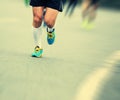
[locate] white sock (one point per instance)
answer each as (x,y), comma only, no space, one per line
(50,29)
(37,35)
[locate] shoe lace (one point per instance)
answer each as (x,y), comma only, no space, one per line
(50,35)
(37,48)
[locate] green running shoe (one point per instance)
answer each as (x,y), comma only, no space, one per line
(84,23)
(37,52)
(90,26)
(51,37)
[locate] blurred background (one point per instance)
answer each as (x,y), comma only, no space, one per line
(83,64)
(110,4)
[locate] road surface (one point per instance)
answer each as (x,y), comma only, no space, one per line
(81,64)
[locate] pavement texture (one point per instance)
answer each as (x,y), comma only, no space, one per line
(57,75)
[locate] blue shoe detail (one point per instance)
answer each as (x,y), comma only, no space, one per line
(37,52)
(44,24)
(50,37)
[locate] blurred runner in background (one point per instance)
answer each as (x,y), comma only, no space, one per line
(89,8)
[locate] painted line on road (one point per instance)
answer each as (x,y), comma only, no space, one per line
(92,85)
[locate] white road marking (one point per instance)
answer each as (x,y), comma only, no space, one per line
(92,85)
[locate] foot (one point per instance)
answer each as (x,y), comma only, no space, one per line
(37,52)
(84,23)
(51,37)
(90,26)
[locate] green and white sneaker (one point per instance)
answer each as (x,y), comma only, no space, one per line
(51,37)
(37,52)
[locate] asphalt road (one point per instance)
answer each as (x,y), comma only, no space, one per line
(65,65)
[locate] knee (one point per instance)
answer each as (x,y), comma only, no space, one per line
(49,21)
(37,19)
